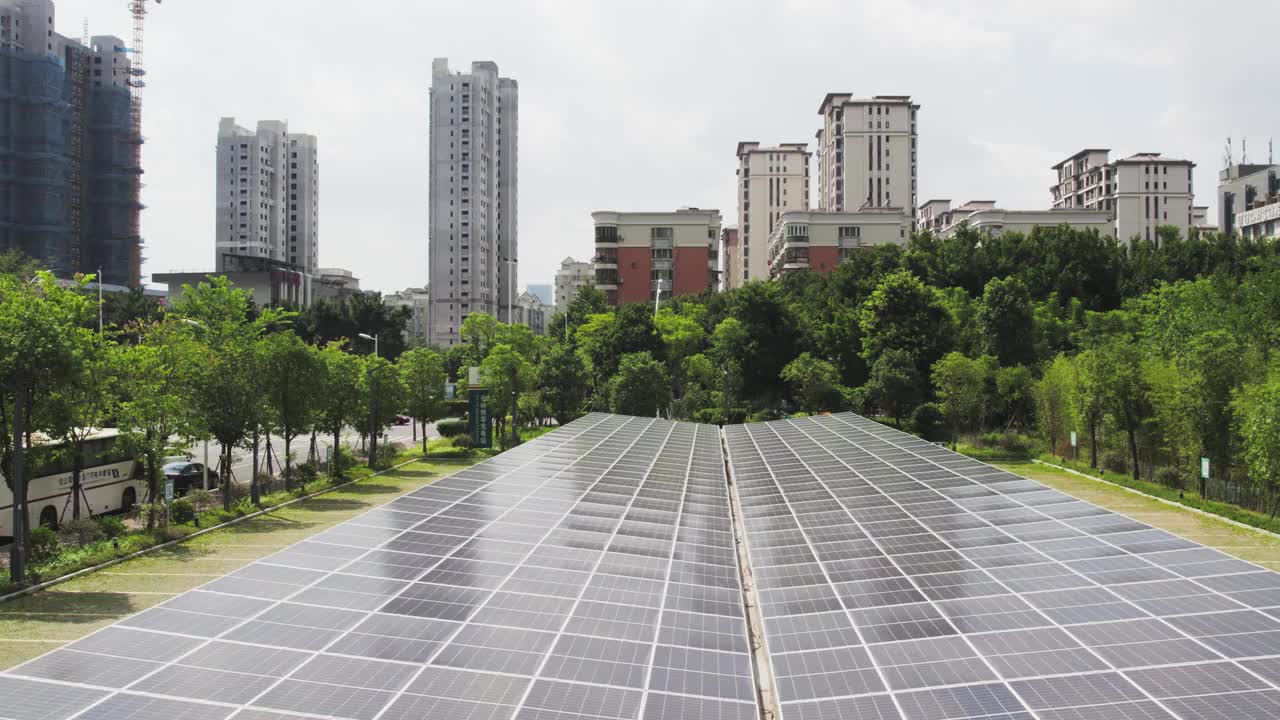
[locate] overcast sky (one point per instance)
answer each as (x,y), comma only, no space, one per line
(639,105)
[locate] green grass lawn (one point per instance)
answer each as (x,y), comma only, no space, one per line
(35,624)
(1254,545)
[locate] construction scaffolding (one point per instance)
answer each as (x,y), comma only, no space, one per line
(34,160)
(70,167)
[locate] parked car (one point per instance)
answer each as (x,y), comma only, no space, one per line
(403,420)
(187,476)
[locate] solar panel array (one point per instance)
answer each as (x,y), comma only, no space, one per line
(591,573)
(900,580)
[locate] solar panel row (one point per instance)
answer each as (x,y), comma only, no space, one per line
(593,573)
(588,574)
(900,580)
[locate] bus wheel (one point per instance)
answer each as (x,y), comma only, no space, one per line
(129,500)
(49,517)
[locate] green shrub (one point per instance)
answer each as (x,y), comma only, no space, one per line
(1171,477)
(80,532)
(929,422)
(44,545)
(443,453)
(387,455)
(112,526)
(182,512)
(451,428)
(1116,462)
(153,514)
(456,408)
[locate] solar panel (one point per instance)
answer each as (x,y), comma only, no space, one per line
(590,573)
(593,573)
(897,579)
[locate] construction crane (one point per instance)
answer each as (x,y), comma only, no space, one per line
(136,81)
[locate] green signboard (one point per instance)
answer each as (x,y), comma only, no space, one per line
(481,422)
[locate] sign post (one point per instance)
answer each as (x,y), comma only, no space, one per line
(1204,475)
(481,424)
(1075,451)
(168,490)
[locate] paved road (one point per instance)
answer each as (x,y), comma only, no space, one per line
(242,460)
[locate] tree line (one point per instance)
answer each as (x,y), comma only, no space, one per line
(210,366)
(1155,353)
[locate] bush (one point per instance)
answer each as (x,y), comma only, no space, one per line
(857,400)
(1116,462)
(112,526)
(451,428)
(182,512)
(445,453)
(387,454)
(300,475)
(1171,477)
(44,545)
(80,532)
(153,514)
(462,441)
(929,422)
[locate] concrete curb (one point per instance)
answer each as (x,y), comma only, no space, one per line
(203,531)
(1170,503)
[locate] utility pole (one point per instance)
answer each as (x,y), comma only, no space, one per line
(99,300)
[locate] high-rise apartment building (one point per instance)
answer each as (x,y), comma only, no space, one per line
(70,174)
(268,196)
(771,181)
(570,278)
(867,153)
(472,235)
(1143,192)
(641,255)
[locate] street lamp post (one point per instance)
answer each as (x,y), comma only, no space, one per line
(373,404)
(511,290)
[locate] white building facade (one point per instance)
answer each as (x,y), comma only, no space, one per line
(418,301)
(867,153)
(571,277)
(472,237)
(268,195)
(1143,192)
(939,218)
(818,240)
(771,181)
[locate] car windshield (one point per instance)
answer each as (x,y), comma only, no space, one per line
(174,468)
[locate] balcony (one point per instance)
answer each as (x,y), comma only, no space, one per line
(607,234)
(605,261)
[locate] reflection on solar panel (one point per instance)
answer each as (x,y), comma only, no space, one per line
(593,573)
(590,573)
(900,580)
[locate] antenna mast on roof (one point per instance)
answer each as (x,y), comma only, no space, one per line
(84,33)
(1244,151)
(1226,158)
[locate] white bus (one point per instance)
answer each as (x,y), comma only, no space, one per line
(109,482)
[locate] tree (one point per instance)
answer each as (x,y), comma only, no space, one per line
(42,345)
(382,397)
(78,408)
(903,314)
(589,301)
(328,320)
(1006,320)
(814,382)
(894,385)
(1124,389)
(422,372)
(507,374)
(563,381)
(961,386)
(729,347)
(641,386)
(1258,412)
(226,386)
(1055,401)
(772,338)
(338,394)
(479,330)
(289,375)
(1014,394)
